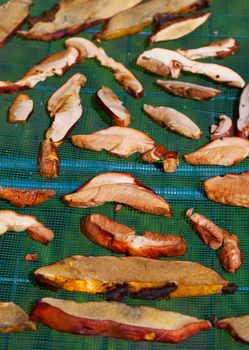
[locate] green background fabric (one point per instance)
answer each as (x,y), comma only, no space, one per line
(18,168)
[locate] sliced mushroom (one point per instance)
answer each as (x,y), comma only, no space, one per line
(49,161)
(225,128)
(30,257)
(238,326)
(22,198)
(173,62)
(113,106)
(171,162)
(135,19)
(220,49)
(12,221)
(71,17)
(14,319)
(21,109)
(177,27)
(174,120)
(124,76)
(122,239)
(188,90)
(119,141)
(117,187)
(243,121)
(231,189)
(227,151)
(170,158)
(231,256)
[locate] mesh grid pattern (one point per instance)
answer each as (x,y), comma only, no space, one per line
(18,168)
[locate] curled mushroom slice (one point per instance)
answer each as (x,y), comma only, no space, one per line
(123,75)
(119,238)
(243,121)
(170,63)
(170,159)
(227,151)
(22,198)
(21,109)
(220,49)
(49,161)
(14,319)
(225,128)
(117,187)
(188,90)
(113,106)
(174,120)
(12,221)
(231,189)
(238,326)
(231,256)
(177,27)
(119,141)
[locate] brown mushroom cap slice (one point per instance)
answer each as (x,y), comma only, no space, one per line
(231,256)
(14,319)
(117,320)
(49,161)
(119,141)
(225,128)
(174,63)
(174,120)
(21,109)
(117,187)
(22,197)
(227,151)
(220,49)
(243,121)
(238,326)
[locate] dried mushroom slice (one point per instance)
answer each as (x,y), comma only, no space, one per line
(243,120)
(224,129)
(238,326)
(49,161)
(14,319)
(170,159)
(231,256)
(21,109)
(23,197)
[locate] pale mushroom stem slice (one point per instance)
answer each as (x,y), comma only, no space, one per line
(238,326)
(14,319)
(231,256)
(24,197)
(48,159)
(243,120)
(21,109)
(225,128)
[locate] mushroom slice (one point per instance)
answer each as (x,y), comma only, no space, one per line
(225,128)
(170,158)
(231,256)
(170,28)
(133,276)
(113,106)
(117,187)
(174,120)
(119,141)
(30,257)
(122,239)
(123,75)
(49,161)
(227,151)
(188,90)
(12,16)
(117,320)
(238,326)
(12,221)
(135,19)
(231,189)
(14,319)
(22,198)
(71,17)
(173,62)
(56,64)
(220,49)
(243,121)
(21,109)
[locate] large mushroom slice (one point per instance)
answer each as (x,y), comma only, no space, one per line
(22,198)
(119,141)
(220,49)
(238,326)
(225,128)
(117,320)
(174,121)
(243,121)
(117,187)
(21,109)
(169,63)
(49,160)
(231,189)
(122,239)
(71,17)
(14,319)
(227,151)
(123,75)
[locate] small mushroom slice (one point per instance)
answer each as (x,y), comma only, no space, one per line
(22,198)
(14,319)
(227,151)
(12,221)
(188,90)
(123,75)
(49,161)
(119,141)
(117,320)
(170,159)
(231,189)
(170,63)
(231,256)
(119,238)
(113,106)
(177,27)
(238,326)
(174,121)
(220,49)
(20,109)
(30,257)
(243,121)
(225,128)
(117,187)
